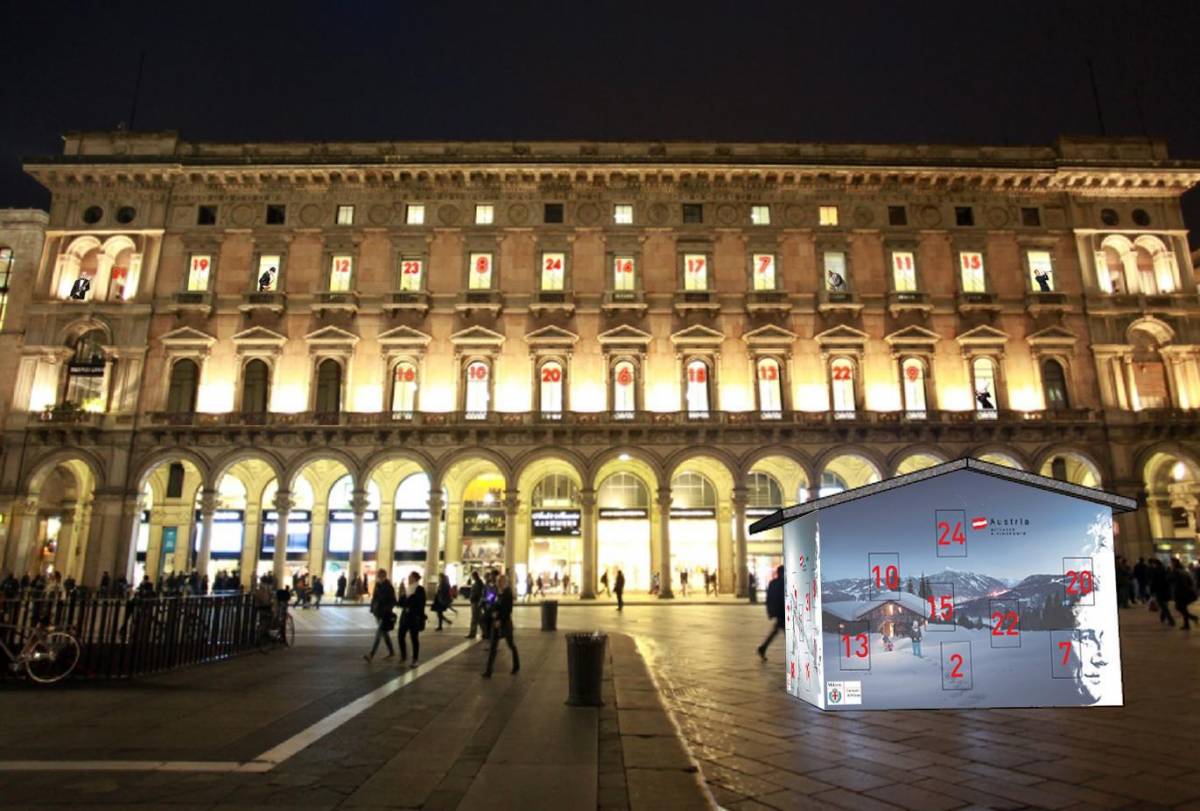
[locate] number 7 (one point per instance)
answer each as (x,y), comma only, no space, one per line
(1065,647)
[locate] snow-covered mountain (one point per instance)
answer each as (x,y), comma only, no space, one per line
(967,585)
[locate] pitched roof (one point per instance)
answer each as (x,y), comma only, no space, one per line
(780,517)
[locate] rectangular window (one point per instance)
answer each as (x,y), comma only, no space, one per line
(552,213)
(623,214)
(267,279)
(345,215)
(693,213)
(411,271)
(552,270)
(206,215)
(340,270)
(551,394)
(1031,217)
(964,216)
(971,263)
(841,372)
(827,215)
(197,281)
(695,271)
(623,274)
(481,272)
(414,215)
(484,214)
(760,215)
(904,271)
(897,215)
(276,214)
(1041,271)
(764,271)
(835,272)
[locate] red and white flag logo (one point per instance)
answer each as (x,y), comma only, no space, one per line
(979,522)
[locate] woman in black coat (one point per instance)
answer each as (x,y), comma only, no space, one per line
(442,600)
(383,605)
(412,621)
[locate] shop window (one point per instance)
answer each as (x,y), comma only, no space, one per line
(904,271)
(551,382)
(693,213)
(897,215)
(831,484)
(552,271)
(266,279)
(770,388)
(964,216)
(698,389)
(763,491)
(485,214)
(345,215)
(624,274)
(276,214)
(1054,385)
(841,380)
(623,491)
(478,392)
(835,272)
(623,214)
(256,384)
(341,268)
(414,215)
(764,271)
(555,492)
(404,388)
(692,491)
(206,215)
(624,389)
(912,384)
(87,373)
(6,263)
(329,387)
(198,273)
(695,271)
(481,272)
(552,213)
(971,265)
(983,371)
(827,216)
(1041,271)
(181,394)
(760,215)
(412,271)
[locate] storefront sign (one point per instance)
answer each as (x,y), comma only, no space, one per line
(696,512)
(760,512)
(412,515)
(86,369)
(347,516)
(554,522)
(222,517)
(617,514)
(483,522)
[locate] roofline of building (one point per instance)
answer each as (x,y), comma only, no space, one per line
(780,517)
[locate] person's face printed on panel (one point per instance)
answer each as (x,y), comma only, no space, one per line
(1092,662)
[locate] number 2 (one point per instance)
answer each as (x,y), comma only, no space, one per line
(956,660)
(1003,618)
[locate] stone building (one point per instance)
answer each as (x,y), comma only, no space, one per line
(565,357)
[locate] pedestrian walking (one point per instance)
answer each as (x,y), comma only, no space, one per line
(383,608)
(340,594)
(1183,588)
(1141,576)
(318,591)
(502,626)
(683,582)
(655,584)
(1124,576)
(412,621)
(1160,590)
(604,584)
(476,596)
(441,600)
(775,611)
(619,590)
(528,586)
(706,581)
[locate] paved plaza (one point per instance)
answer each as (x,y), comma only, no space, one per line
(684,690)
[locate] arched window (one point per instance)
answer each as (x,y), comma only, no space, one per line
(555,492)
(256,385)
(841,380)
(624,389)
(763,491)
(692,491)
(831,484)
(87,373)
(697,391)
(181,396)
(983,370)
(770,388)
(551,380)
(912,384)
(1054,385)
(623,491)
(478,391)
(404,389)
(329,387)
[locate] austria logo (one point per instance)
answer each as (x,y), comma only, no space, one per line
(979,522)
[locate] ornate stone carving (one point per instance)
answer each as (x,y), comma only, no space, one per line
(929,216)
(659,213)
(449,214)
(518,213)
(379,215)
(997,217)
(863,216)
(242,215)
(588,214)
(797,216)
(727,214)
(310,215)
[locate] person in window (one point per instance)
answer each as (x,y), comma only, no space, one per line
(267,280)
(79,290)
(1043,280)
(984,397)
(835,281)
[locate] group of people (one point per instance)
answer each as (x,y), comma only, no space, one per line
(1158,585)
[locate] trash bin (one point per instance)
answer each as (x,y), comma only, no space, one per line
(549,615)
(585,668)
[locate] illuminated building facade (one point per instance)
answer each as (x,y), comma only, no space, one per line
(565,357)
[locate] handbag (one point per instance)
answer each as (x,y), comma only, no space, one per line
(389,621)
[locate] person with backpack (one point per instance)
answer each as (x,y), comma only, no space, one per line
(775,610)
(1184,591)
(502,627)
(412,621)
(383,608)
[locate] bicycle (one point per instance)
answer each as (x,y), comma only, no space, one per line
(276,628)
(49,655)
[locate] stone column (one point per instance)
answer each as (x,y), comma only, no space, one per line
(358,503)
(664,543)
(726,576)
(739,528)
(319,540)
(1130,383)
(208,507)
(252,531)
(66,537)
(385,549)
(21,553)
(511,506)
(283,508)
(154,550)
(433,541)
(1134,536)
(454,532)
(110,523)
(126,551)
(587,532)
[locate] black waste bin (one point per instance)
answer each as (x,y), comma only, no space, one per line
(549,615)
(585,668)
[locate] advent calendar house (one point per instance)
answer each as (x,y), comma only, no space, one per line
(963,585)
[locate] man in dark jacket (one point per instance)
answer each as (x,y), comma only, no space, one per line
(501,617)
(619,590)
(412,620)
(1184,592)
(1160,588)
(383,604)
(341,589)
(775,610)
(476,598)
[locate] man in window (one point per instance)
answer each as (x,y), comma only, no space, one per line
(1043,279)
(266,282)
(985,399)
(79,290)
(835,281)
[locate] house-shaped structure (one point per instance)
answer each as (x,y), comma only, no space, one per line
(963,585)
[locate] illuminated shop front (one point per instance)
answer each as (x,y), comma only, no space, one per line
(143,547)
(228,528)
(623,530)
(411,544)
(555,547)
(483,522)
(340,530)
(299,528)
(764,551)
(693,528)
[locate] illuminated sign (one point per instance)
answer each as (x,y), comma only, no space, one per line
(414,515)
(693,512)
(482,521)
(347,516)
(613,513)
(554,522)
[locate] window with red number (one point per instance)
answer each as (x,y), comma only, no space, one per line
(623,274)
(764,271)
(341,268)
(552,271)
(912,385)
(478,375)
(404,388)
(695,271)
(624,389)
(841,380)
(698,388)
(480,272)
(412,270)
(770,387)
(552,377)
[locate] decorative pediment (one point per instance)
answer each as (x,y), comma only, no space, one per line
(841,337)
(697,336)
(187,341)
(404,338)
(331,338)
(551,336)
(1053,337)
(913,338)
(475,337)
(770,336)
(622,336)
(259,340)
(983,335)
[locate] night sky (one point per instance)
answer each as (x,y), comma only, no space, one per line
(966,72)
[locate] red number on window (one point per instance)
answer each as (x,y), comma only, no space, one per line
(841,372)
(859,649)
(1065,647)
(768,371)
(1080,583)
(695,265)
(956,660)
(697,374)
(624,377)
(482,265)
(551,374)
(889,577)
(624,265)
(405,374)
(946,537)
(1005,623)
(477,372)
(942,608)
(343,266)
(765,263)
(410,268)
(553,263)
